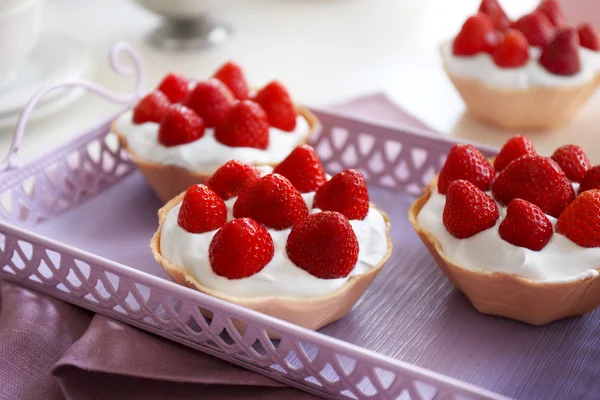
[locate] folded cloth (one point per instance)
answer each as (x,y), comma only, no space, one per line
(378,107)
(51,350)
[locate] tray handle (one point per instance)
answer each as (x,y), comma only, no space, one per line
(9,162)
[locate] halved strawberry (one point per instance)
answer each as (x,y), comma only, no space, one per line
(232,178)
(591,180)
(513,50)
(468,210)
(588,37)
(211,100)
(232,76)
(492,9)
(324,245)
(536,27)
(536,179)
(151,108)
(477,35)
(241,248)
(514,148)
(525,225)
(346,193)
(180,126)
(303,168)
(580,221)
(175,86)
(201,210)
(573,161)
(272,201)
(466,162)
(553,10)
(277,103)
(561,56)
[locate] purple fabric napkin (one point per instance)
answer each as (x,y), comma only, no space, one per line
(51,350)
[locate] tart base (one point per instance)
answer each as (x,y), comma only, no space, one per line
(534,109)
(312,313)
(168,181)
(507,295)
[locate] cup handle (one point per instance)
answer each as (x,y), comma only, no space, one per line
(9,162)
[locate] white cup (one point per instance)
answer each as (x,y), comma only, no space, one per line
(20,26)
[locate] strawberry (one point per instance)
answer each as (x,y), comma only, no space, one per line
(211,100)
(277,103)
(179,126)
(241,248)
(232,178)
(468,210)
(324,245)
(201,210)
(536,27)
(561,56)
(477,35)
(573,161)
(272,201)
(466,162)
(245,125)
(536,179)
(303,168)
(525,225)
(513,50)
(494,11)
(232,76)
(580,221)
(151,108)
(345,193)
(554,12)
(175,86)
(591,180)
(588,37)
(516,147)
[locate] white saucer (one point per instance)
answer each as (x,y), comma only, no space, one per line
(56,57)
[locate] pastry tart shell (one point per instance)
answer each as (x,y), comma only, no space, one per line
(168,181)
(312,313)
(508,295)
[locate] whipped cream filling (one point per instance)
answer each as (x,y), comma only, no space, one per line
(280,277)
(206,154)
(561,260)
(481,67)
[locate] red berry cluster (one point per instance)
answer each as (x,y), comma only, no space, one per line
(323,244)
(223,102)
(491,31)
(530,185)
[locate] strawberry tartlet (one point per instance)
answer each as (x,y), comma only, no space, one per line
(181,132)
(286,241)
(532,73)
(519,237)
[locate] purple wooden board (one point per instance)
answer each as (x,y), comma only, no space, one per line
(411,312)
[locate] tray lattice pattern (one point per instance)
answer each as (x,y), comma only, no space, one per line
(303,359)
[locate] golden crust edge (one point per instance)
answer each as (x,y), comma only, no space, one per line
(508,295)
(312,313)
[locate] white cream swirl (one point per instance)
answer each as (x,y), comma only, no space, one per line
(280,277)
(561,260)
(481,67)
(206,154)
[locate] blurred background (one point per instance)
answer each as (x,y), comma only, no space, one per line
(325,51)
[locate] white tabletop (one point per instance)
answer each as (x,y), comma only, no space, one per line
(323,50)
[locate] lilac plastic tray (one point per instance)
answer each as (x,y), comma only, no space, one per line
(77,224)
